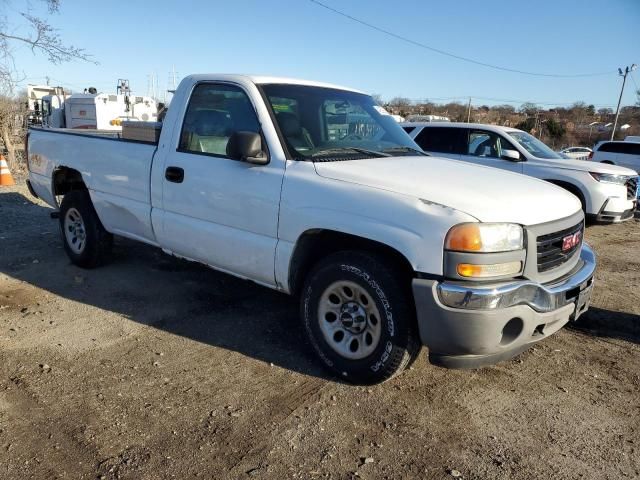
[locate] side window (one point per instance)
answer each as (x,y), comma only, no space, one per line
(483,144)
(505,145)
(616,148)
(213,114)
(629,148)
(408,129)
(607,147)
(442,139)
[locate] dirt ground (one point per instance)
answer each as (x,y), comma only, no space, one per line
(153,368)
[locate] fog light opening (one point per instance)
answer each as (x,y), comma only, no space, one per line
(539,330)
(512,330)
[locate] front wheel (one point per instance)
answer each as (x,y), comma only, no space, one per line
(85,240)
(359,318)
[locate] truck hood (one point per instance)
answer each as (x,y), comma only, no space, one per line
(582,166)
(488,194)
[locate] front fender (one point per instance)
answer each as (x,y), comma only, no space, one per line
(413,227)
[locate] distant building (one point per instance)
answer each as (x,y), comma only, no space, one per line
(427,118)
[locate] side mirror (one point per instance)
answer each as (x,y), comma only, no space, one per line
(512,155)
(247,147)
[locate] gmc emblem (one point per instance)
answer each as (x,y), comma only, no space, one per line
(571,241)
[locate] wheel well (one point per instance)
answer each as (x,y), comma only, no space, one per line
(66,179)
(573,189)
(313,245)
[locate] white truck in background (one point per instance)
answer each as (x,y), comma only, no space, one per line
(35,94)
(387,249)
(96,111)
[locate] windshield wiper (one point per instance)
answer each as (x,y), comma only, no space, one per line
(405,149)
(338,150)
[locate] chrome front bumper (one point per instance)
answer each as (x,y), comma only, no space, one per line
(469,326)
(542,298)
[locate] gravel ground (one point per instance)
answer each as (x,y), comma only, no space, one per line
(153,368)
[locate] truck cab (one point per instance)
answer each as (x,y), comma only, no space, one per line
(53,114)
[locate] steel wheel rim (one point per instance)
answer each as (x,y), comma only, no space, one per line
(74,231)
(349,320)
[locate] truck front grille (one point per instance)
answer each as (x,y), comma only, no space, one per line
(550,247)
(632,188)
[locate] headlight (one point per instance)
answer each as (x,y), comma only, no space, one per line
(485,238)
(609,178)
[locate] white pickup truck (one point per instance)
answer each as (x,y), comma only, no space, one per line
(312,189)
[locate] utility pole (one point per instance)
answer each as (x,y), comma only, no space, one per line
(624,80)
(469,112)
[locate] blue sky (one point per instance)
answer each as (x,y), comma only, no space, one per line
(298,38)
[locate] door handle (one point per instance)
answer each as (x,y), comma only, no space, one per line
(174,174)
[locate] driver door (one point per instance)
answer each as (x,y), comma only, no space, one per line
(217,210)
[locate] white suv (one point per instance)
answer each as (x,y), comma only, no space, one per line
(607,192)
(624,153)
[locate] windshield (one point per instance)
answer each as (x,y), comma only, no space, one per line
(324,124)
(534,146)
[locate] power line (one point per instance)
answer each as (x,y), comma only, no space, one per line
(453,55)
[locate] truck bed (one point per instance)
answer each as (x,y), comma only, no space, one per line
(116,172)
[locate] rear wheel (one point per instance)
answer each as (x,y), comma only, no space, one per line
(359,318)
(86,242)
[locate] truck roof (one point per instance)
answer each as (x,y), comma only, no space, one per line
(485,126)
(264,79)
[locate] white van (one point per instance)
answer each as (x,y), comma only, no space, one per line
(626,154)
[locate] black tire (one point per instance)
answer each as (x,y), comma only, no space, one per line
(97,241)
(398,343)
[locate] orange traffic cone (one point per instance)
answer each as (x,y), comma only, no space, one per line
(5,174)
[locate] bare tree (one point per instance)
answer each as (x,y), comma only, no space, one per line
(12,112)
(529,108)
(25,29)
(400,106)
(377,98)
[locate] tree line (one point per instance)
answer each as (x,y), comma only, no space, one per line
(577,124)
